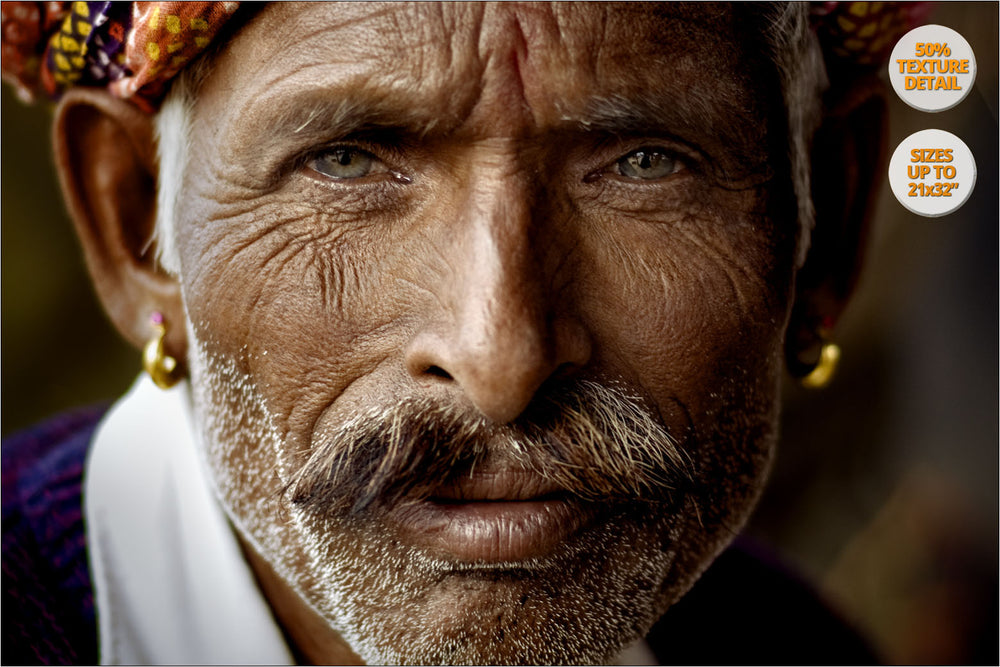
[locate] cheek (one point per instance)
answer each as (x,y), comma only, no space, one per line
(301,300)
(693,301)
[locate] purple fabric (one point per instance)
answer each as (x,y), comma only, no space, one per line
(48,606)
(104,45)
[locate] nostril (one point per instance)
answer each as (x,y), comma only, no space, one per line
(565,370)
(437,371)
(426,360)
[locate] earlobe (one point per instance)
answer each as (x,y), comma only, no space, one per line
(848,168)
(106,158)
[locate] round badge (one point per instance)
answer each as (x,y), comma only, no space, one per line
(932,68)
(932,173)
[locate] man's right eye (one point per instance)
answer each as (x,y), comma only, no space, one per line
(345,163)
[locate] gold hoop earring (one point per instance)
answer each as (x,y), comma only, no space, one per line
(822,373)
(162,368)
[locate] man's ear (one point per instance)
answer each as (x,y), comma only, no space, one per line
(848,166)
(106,158)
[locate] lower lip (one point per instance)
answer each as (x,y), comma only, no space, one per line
(491,531)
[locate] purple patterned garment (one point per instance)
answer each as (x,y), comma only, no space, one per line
(48,605)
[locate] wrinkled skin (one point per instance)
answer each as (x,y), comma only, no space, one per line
(487,241)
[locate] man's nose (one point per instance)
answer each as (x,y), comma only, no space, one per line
(504,330)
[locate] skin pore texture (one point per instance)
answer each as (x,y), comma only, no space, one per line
(436,243)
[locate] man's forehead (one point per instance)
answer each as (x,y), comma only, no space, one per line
(505,66)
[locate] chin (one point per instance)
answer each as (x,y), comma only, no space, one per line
(430,588)
(584,602)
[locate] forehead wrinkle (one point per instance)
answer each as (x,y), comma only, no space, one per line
(389,64)
(296,21)
(576,67)
(287,23)
(524,61)
(380,39)
(528,49)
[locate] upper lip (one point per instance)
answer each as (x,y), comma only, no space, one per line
(496,486)
(494,515)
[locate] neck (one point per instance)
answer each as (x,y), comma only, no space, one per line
(310,639)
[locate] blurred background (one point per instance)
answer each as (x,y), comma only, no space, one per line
(885,491)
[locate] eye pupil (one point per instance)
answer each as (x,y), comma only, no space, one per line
(345,163)
(647,164)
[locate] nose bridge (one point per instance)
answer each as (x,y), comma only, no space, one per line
(501,343)
(498,343)
(500,296)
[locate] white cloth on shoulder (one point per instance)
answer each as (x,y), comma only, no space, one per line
(171,585)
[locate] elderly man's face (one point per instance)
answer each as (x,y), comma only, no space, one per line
(486,308)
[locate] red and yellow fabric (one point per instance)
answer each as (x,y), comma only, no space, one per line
(133,49)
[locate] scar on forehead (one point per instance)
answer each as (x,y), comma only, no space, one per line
(519,49)
(504,44)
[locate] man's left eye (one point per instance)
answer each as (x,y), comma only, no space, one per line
(346,163)
(647,164)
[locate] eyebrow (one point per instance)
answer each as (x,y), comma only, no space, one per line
(326,114)
(617,113)
(693,118)
(347,115)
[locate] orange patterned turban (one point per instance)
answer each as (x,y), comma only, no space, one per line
(134,48)
(131,48)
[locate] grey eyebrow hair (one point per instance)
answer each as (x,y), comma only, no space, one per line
(341,114)
(641,111)
(615,112)
(335,112)
(345,115)
(336,115)
(313,115)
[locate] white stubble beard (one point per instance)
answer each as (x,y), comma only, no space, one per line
(391,603)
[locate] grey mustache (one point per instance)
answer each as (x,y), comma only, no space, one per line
(592,440)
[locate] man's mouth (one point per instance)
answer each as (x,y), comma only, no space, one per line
(497,516)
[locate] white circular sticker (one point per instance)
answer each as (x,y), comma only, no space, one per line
(932,68)
(932,173)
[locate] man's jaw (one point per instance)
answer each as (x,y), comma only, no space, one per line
(393,602)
